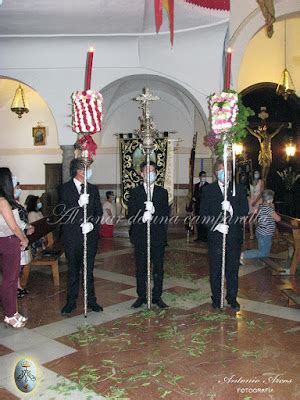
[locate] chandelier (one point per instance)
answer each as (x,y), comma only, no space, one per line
(285,86)
(19,105)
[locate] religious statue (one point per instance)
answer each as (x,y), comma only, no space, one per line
(265,141)
(268,11)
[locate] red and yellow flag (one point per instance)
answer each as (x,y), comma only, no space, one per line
(168,5)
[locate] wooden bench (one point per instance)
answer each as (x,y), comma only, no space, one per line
(293,297)
(48,257)
(289,229)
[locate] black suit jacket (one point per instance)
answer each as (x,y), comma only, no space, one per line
(212,214)
(72,213)
(198,190)
(136,209)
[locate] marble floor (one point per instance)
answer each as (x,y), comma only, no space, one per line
(188,351)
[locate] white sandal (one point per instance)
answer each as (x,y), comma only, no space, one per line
(20,317)
(13,322)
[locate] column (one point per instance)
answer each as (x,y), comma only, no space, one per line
(67,156)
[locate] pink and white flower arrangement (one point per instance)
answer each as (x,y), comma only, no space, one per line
(87,111)
(223,111)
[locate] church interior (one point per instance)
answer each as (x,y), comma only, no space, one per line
(182,52)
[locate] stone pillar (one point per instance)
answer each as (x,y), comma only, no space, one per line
(67,156)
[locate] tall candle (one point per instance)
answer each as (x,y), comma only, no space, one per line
(227,69)
(89,65)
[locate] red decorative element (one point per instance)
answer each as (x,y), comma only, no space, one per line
(87,111)
(89,64)
(227,69)
(87,143)
(168,5)
(158,6)
(213,4)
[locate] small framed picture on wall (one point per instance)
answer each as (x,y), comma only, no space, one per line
(39,136)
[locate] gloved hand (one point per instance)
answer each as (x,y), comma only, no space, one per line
(226,206)
(149,206)
(86,228)
(222,228)
(147,216)
(83,199)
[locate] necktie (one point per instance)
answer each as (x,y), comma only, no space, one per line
(82,188)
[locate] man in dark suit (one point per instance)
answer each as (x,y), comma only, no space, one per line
(139,212)
(72,201)
(211,210)
(198,189)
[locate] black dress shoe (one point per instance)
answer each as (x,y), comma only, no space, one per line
(139,302)
(160,303)
(68,308)
(216,304)
(95,307)
(234,305)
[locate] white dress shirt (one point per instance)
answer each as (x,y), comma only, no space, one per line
(78,185)
(221,186)
(151,189)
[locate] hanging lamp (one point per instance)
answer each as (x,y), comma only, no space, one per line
(19,105)
(285,86)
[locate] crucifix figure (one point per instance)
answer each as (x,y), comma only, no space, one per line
(265,141)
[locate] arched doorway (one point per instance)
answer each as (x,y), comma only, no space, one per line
(177,110)
(280,112)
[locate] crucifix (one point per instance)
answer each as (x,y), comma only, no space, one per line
(265,141)
(147,132)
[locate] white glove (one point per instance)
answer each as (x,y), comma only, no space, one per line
(222,228)
(149,206)
(83,199)
(86,228)
(147,216)
(226,206)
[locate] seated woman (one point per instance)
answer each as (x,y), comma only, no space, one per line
(109,213)
(33,206)
(26,228)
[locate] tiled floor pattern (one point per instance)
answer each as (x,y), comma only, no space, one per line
(186,352)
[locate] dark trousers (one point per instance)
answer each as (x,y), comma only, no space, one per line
(74,256)
(157,258)
(233,252)
(201,228)
(201,231)
(10,260)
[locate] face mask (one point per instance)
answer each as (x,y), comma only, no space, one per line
(39,206)
(256,176)
(14,181)
(18,193)
(152,177)
(221,175)
(89,174)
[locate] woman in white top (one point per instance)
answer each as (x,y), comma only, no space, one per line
(12,240)
(255,199)
(109,213)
